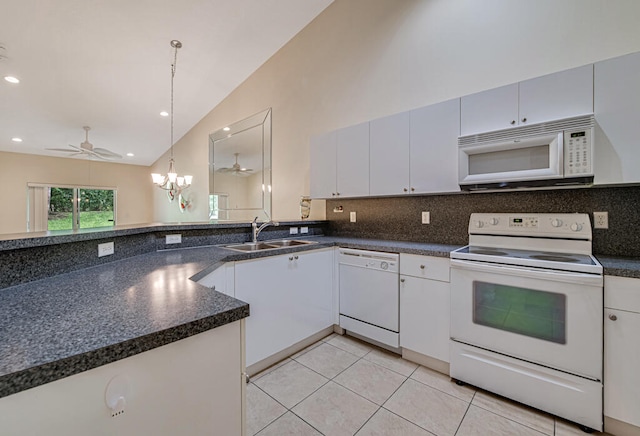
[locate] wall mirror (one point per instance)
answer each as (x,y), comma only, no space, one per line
(240,170)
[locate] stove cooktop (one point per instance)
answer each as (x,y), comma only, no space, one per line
(539,259)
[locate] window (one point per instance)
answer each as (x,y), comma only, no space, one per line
(70,208)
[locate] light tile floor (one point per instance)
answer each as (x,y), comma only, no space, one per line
(343,386)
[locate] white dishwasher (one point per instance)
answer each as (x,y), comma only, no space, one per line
(370,295)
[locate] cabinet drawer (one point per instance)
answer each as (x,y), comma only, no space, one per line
(435,268)
(621,293)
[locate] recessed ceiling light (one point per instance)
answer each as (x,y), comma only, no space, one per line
(130,154)
(226,129)
(11,79)
(16,139)
(164,114)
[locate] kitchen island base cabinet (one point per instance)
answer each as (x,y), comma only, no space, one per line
(424,310)
(290,298)
(194,386)
(621,355)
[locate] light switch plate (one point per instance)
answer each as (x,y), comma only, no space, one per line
(173,239)
(352,217)
(293,230)
(105,249)
(426,217)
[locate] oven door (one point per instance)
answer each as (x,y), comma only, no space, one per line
(552,318)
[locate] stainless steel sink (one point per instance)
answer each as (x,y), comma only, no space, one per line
(268,245)
(289,242)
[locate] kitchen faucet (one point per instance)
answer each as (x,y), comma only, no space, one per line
(255,230)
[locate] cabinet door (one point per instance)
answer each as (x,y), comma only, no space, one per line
(556,96)
(353,161)
(434,147)
(617,111)
(389,159)
(222,279)
(424,316)
(621,363)
(495,109)
(323,166)
(290,298)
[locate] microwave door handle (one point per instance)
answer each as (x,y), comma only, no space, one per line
(524,271)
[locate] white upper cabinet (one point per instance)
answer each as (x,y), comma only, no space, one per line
(323,166)
(340,163)
(389,159)
(490,110)
(352,161)
(434,148)
(554,96)
(617,113)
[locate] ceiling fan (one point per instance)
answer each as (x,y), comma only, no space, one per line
(236,169)
(87,149)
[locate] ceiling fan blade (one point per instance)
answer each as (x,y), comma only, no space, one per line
(103,152)
(62,149)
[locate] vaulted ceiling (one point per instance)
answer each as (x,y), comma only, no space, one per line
(107,64)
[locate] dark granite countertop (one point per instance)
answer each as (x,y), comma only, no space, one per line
(620,266)
(66,324)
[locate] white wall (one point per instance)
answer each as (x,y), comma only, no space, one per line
(133,184)
(363,59)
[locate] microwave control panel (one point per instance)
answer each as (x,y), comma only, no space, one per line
(578,153)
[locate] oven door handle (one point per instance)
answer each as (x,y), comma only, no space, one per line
(529,272)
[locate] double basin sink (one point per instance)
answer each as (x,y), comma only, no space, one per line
(268,245)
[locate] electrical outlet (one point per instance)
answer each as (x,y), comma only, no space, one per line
(293,230)
(426,217)
(105,249)
(304,229)
(601,220)
(173,239)
(352,217)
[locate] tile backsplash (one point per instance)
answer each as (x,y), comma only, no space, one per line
(399,218)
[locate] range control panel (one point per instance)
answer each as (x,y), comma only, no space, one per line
(564,225)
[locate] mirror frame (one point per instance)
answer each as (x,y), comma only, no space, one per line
(263,213)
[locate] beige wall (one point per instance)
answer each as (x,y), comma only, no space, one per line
(133,182)
(363,59)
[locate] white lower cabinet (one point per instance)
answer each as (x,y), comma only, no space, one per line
(622,355)
(424,305)
(290,298)
(221,279)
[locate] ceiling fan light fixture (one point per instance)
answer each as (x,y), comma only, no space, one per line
(172,182)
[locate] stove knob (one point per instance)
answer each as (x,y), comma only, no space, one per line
(479,224)
(556,222)
(576,227)
(493,221)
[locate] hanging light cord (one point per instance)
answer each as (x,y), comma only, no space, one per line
(176,45)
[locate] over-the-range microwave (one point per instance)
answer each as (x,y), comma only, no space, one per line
(546,154)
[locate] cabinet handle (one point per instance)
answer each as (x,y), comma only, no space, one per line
(524,120)
(612,317)
(333,194)
(513,122)
(422,267)
(337,193)
(401,280)
(290,257)
(413,189)
(295,257)
(405,189)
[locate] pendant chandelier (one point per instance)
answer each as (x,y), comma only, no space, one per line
(172,182)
